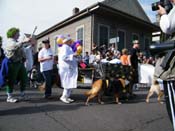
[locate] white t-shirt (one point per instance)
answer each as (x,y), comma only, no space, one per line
(92,58)
(46,65)
(167,22)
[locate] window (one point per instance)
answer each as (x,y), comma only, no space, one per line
(80,36)
(146,43)
(146,46)
(55,46)
(135,37)
(80,33)
(103,35)
(121,43)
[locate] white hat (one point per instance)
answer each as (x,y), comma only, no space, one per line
(135,42)
(66,39)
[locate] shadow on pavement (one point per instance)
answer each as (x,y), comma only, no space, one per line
(39,109)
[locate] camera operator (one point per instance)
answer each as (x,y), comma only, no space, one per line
(167,21)
(167,25)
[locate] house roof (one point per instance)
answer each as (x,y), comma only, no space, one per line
(106,6)
(130,7)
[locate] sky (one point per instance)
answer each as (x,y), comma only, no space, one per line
(26,14)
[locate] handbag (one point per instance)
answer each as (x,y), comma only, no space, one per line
(165,66)
(83,65)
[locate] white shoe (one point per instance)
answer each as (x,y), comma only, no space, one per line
(11,100)
(64,100)
(70,100)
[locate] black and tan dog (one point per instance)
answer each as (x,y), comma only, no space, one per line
(99,87)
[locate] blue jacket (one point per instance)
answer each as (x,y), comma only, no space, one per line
(4,71)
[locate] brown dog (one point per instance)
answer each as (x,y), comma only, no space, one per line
(155,88)
(98,88)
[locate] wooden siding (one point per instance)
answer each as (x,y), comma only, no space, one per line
(117,23)
(71,29)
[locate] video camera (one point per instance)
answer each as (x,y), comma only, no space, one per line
(164,3)
(162,47)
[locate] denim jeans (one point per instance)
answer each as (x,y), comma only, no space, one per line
(48,79)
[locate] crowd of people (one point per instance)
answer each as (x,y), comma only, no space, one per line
(17,57)
(19,60)
(113,53)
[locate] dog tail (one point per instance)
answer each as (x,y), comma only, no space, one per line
(155,82)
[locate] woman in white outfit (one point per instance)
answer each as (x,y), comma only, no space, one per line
(68,70)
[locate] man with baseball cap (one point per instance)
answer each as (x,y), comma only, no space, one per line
(45,57)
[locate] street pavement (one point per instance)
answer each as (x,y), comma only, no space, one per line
(40,114)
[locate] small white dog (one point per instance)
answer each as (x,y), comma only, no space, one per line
(155,88)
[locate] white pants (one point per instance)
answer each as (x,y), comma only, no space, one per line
(66,93)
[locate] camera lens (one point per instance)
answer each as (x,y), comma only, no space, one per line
(164,3)
(155,6)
